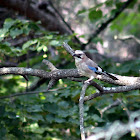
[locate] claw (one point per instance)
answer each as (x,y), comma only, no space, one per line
(90,79)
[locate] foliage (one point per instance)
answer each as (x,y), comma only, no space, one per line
(55,114)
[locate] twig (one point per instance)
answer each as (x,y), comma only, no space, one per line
(114,104)
(112,90)
(37,84)
(68,48)
(126,109)
(96,86)
(51,83)
(52,68)
(50,65)
(29,93)
(67,25)
(128,37)
(81,110)
(75,79)
(92,83)
(105,24)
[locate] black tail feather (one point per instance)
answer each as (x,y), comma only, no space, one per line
(107,74)
(111,76)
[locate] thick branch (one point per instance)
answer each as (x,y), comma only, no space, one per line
(40,73)
(105,24)
(64,73)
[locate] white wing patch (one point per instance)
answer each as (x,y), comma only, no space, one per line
(100,69)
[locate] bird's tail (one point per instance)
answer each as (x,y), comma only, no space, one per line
(110,75)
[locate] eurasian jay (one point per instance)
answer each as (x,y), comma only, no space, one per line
(86,67)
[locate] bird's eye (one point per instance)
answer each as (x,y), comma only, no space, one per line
(79,56)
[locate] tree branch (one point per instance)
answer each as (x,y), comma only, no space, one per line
(114,133)
(68,48)
(131,82)
(128,37)
(114,104)
(105,24)
(57,74)
(28,93)
(112,90)
(122,80)
(63,20)
(81,110)
(37,84)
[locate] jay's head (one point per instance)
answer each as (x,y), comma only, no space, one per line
(79,55)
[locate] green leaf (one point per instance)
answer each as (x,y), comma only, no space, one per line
(3,33)
(59,120)
(15,32)
(94,15)
(29,43)
(109,3)
(2,132)
(63,104)
(119,4)
(52,108)
(81,11)
(34,26)
(36,117)
(2,111)
(50,118)
(9,23)
(63,113)
(5,48)
(35,108)
(97,39)
(97,118)
(54,43)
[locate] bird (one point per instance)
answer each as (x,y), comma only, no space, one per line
(88,68)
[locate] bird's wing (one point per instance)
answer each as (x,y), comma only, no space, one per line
(94,67)
(98,70)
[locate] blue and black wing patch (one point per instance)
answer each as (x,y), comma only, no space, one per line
(92,68)
(95,69)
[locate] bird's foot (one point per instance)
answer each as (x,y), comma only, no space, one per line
(88,81)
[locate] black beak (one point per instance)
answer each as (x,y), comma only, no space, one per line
(76,55)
